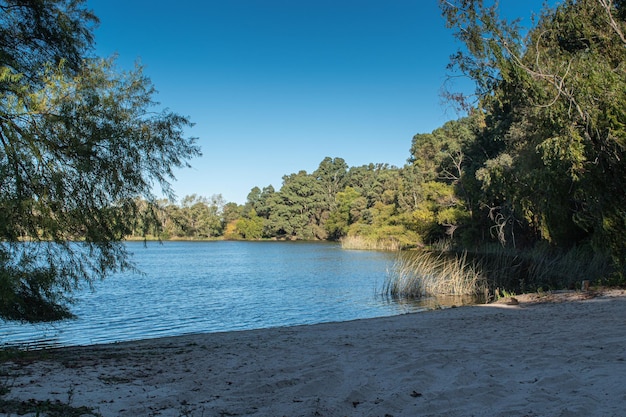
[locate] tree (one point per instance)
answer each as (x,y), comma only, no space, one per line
(249,227)
(331,174)
(435,186)
(173,220)
(554,111)
(342,214)
(231,212)
(263,204)
(371,181)
(80,141)
(253,199)
(200,217)
(294,208)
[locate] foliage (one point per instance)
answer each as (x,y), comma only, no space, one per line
(250,227)
(541,267)
(553,103)
(80,141)
(344,213)
(296,209)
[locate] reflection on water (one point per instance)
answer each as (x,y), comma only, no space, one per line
(203,287)
(433,303)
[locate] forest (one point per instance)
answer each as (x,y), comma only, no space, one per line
(538,160)
(381,204)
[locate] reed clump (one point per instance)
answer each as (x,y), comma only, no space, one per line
(367,243)
(426,274)
(494,270)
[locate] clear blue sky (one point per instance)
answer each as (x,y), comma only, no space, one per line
(274,86)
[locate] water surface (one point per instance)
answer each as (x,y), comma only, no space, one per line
(201,287)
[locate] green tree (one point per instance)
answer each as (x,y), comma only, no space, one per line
(343,214)
(253,199)
(173,219)
(201,217)
(263,205)
(215,220)
(332,175)
(80,141)
(295,207)
(249,227)
(231,212)
(372,180)
(434,192)
(554,112)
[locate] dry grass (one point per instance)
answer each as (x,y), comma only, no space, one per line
(494,272)
(364,243)
(424,274)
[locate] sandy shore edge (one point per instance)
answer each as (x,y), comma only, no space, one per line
(552,354)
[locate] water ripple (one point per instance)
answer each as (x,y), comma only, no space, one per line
(202,287)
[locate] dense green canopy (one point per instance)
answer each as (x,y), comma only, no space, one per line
(553,104)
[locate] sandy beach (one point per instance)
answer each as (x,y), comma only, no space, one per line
(548,355)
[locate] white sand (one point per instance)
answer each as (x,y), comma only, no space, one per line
(532,359)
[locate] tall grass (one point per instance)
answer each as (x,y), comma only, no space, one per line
(425,274)
(542,267)
(366,243)
(494,270)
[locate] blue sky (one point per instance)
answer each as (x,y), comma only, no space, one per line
(274,86)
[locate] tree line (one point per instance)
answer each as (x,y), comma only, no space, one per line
(412,205)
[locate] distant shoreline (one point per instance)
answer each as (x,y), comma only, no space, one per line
(217,239)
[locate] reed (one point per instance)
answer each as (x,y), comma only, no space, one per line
(425,274)
(367,243)
(494,270)
(542,268)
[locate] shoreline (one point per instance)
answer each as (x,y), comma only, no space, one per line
(550,354)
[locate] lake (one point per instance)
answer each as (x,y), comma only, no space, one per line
(203,287)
